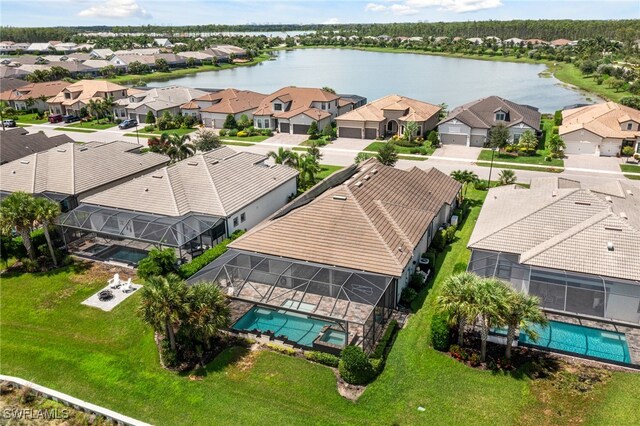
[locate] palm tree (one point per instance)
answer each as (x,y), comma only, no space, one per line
(456,300)
(207,311)
(5,110)
(45,213)
(180,147)
(159,144)
(284,156)
(162,305)
(465,177)
(107,106)
(308,167)
(314,150)
(388,155)
(489,301)
(17,212)
(522,311)
(93,108)
(507,177)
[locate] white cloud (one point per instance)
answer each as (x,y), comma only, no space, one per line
(331,21)
(411,7)
(115,9)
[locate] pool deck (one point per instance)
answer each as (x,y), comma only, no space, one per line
(632,334)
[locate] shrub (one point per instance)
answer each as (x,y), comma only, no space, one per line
(188,269)
(29,265)
(377,364)
(555,130)
(433,137)
(384,341)
(267,132)
(233,132)
(627,151)
(439,240)
(474,359)
(223,132)
(282,349)
(431,255)
(242,134)
(557,118)
(158,262)
(149,128)
(322,358)
(354,366)
(417,281)
(458,353)
(189,121)
(407,296)
(480,185)
(451,234)
(150,118)
(440,333)
(230,122)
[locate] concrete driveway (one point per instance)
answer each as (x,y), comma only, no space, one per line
(591,162)
(351,144)
(458,151)
(286,139)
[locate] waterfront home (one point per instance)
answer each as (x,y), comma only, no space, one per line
(213,108)
(189,206)
(18,143)
(469,124)
(387,116)
(339,255)
(123,60)
(158,100)
(30,96)
(76,96)
(600,129)
(71,172)
(199,57)
(574,246)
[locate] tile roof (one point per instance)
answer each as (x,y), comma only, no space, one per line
(11,83)
(160,98)
(301,99)
(562,224)
(76,168)
(232,101)
(374,111)
(18,143)
(87,90)
(34,91)
(372,221)
(603,119)
(218,183)
(481,113)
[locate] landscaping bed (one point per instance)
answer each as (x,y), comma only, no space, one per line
(537,159)
(93,124)
(375,146)
(75,129)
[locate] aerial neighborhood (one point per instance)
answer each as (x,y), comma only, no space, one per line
(320,253)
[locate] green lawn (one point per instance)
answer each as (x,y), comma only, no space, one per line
(95,124)
(180,131)
(75,129)
(538,159)
(326,171)
(570,74)
(110,359)
(254,139)
(29,119)
(375,146)
(226,142)
(631,168)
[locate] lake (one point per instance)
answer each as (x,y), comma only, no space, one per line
(433,79)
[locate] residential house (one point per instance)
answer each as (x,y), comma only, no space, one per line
(158,100)
(143,51)
(561,42)
(101,53)
(535,41)
(10,72)
(469,124)
(226,52)
(162,42)
(124,60)
(189,206)
(18,143)
(76,96)
(342,252)
(40,48)
(76,69)
(71,172)
(173,60)
(348,103)
(7,47)
(475,40)
(600,129)
(199,57)
(293,109)
(11,83)
(574,246)
(514,41)
(213,108)
(387,116)
(33,95)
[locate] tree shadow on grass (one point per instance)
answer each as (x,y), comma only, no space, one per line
(418,302)
(228,357)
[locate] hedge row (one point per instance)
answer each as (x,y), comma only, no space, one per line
(384,341)
(322,358)
(189,269)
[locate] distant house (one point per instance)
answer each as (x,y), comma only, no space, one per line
(101,53)
(535,41)
(173,60)
(387,116)
(12,72)
(189,206)
(31,95)
(76,96)
(141,51)
(71,172)
(213,108)
(18,143)
(162,42)
(10,83)
(574,246)
(224,52)
(123,60)
(158,100)
(561,42)
(40,47)
(475,40)
(600,129)
(293,109)
(514,41)
(469,124)
(197,56)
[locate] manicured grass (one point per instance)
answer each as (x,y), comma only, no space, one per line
(538,159)
(322,141)
(254,139)
(225,142)
(630,168)
(22,125)
(570,74)
(180,131)
(74,129)
(412,158)
(326,171)
(97,125)
(29,119)
(376,146)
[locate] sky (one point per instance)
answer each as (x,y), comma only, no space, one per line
(41,13)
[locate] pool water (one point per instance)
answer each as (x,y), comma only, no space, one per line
(334,337)
(581,340)
(123,254)
(296,327)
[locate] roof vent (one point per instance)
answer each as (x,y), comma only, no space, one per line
(146,190)
(608,198)
(630,192)
(358,184)
(613,228)
(374,171)
(366,177)
(61,150)
(400,249)
(624,215)
(83,149)
(583,203)
(553,194)
(24,161)
(610,246)
(157,176)
(192,163)
(340,197)
(13,172)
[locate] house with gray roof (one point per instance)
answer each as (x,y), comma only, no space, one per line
(189,206)
(158,100)
(575,247)
(469,124)
(18,143)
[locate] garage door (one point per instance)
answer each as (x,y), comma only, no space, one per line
(454,139)
(284,127)
(350,132)
(585,147)
(609,149)
(370,133)
(300,129)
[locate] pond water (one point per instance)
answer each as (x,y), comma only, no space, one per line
(434,79)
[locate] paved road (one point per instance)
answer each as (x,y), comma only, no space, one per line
(342,152)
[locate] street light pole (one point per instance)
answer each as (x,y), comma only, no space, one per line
(493,152)
(137,135)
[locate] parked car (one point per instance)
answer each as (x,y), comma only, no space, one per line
(126,124)
(70,118)
(9,122)
(55,118)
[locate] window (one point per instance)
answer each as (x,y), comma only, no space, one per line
(629,126)
(277,107)
(516,138)
(243,217)
(324,106)
(235,221)
(259,123)
(501,116)
(266,123)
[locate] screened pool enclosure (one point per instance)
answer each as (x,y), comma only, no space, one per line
(564,291)
(359,303)
(189,234)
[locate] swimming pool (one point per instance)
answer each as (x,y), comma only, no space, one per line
(123,254)
(298,328)
(581,340)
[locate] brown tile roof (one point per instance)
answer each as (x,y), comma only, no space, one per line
(481,113)
(371,222)
(563,225)
(232,101)
(301,99)
(88,90)
(603,119)
(560,42)
(34,91)
(374,111)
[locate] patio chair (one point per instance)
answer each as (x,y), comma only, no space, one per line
(127,287)
(115,281)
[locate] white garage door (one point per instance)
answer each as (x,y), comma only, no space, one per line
(609,149)
(454,139)
(583,147)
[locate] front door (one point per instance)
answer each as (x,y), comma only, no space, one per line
(392,127)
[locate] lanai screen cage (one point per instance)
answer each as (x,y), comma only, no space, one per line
(180,232)
(359,302)
(566,291)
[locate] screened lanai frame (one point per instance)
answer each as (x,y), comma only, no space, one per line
(128,224)
(592,296)
(362,301)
